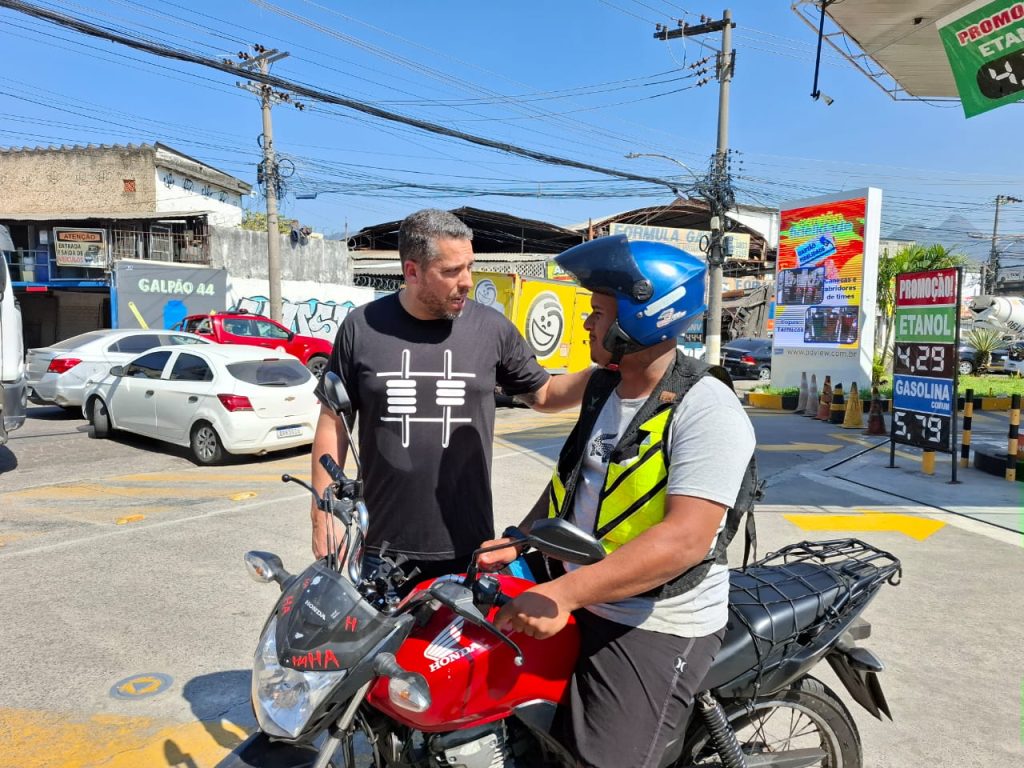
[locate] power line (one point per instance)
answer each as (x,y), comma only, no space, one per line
(312,93)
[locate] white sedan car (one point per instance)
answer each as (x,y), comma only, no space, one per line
(60,374)
(213,398)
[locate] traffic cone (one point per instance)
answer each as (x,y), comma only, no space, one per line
(838,407)
(801,401)
(854,410)
(825,406)
(811,406)
(876,421)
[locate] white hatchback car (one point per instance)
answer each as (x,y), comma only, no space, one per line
(60,374)
(213,398)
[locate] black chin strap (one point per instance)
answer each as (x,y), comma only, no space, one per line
(619,344)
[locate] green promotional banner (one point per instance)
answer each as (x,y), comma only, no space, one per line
(935,324)
(985,45)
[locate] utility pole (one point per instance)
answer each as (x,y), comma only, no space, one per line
(991,274)
(719,188)
(269,174)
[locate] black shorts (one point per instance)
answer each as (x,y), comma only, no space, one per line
(632,692)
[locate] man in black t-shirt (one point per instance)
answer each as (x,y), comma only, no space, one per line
(420,367)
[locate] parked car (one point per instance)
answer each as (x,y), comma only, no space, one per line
(748,358)
(259,331)
(214,399)
(968,357)
(60,374)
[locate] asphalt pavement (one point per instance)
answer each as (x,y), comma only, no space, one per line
(130,622)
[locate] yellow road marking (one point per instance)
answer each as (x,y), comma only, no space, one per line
(243,495)
(138,686)
(36,739)
(208,477)
(130,519)
(817,447)
(86,491)
(914,526)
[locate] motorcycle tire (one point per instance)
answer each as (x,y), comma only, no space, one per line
(807,700)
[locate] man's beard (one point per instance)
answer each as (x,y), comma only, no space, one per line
(439,307)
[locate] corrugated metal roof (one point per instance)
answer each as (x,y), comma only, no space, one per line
(127,216)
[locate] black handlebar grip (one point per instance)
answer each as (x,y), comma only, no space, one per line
(337,473)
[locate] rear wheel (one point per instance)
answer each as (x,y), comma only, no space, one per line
(317,365)
(806,724)
(206,446)
(966,367)
(765,374)
(100,420)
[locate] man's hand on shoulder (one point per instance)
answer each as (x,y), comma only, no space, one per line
(560,391)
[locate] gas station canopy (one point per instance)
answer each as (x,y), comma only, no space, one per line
(898,42)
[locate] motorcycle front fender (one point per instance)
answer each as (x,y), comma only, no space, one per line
(258,751)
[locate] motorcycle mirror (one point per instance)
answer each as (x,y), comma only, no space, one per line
(331,391)
(265,567)
(564,541)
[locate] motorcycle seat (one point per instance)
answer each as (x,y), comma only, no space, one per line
(769,607)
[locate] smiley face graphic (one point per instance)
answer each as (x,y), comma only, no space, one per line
(545,322)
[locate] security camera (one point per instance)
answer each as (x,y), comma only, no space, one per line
(820,96)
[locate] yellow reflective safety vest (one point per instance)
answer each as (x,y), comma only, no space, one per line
(633,495)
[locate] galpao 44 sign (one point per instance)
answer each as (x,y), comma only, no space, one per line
(984,42)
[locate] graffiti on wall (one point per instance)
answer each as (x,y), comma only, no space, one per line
(311,317)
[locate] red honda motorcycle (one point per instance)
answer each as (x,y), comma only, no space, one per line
(346,674)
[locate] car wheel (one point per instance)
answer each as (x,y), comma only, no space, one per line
(317,365)
(764,374)
(100,420)
(205,444)
(966,367)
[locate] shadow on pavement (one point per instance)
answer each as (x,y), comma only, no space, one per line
(8,460)
(218,699)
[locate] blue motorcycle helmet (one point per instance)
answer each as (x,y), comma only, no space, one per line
(659,289)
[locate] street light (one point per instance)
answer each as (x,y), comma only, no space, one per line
(684,166)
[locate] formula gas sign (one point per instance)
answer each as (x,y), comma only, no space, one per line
(693,241)
(924,372)
(984,43)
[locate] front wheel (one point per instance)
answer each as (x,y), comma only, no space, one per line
(806,722)
(100,420)
(206,445)
(966,367)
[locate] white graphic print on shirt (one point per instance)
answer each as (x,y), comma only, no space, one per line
(449,393)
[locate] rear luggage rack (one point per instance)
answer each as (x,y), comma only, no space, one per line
(785,600)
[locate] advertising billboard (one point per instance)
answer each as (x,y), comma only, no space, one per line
(826,272)
(924,359)
(161,295)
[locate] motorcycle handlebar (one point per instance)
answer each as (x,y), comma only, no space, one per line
(337,473)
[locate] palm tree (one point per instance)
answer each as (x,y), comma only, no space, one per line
(914,258)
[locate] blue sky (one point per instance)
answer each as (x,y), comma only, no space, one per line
(582,79)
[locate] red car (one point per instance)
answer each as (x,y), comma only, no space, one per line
(258,331)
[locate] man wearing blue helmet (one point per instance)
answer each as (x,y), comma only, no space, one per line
(659,467)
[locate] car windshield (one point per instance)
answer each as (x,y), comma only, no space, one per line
(270,373)
(80,339)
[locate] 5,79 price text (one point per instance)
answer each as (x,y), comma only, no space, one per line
(924,430)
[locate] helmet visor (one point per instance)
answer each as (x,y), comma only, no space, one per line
(604,265)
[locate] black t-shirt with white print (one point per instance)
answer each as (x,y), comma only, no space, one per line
(424,394)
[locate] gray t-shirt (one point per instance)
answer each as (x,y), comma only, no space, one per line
(424,394)
(711,441)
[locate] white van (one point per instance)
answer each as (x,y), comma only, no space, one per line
(12,349)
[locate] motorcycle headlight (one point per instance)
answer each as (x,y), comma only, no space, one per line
(285,698)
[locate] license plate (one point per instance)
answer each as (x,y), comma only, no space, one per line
(283,432)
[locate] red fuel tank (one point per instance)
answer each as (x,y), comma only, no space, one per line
(472,675)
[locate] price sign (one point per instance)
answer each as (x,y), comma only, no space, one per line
(921,429)
(924,360)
